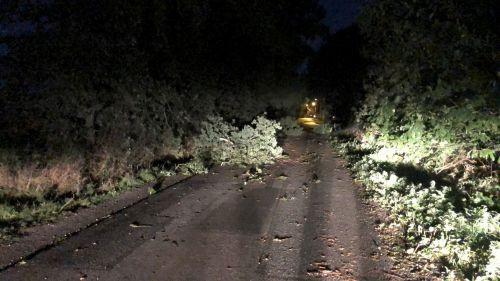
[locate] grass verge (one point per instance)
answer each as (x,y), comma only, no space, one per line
(452,226)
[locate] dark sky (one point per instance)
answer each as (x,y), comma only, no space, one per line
(341,13)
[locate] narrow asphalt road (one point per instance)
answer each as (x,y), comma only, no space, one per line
(303,221)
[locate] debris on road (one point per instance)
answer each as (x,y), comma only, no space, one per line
(136,224)
(282,177)
(280,238)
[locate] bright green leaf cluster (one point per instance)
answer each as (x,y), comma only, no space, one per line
(222,143)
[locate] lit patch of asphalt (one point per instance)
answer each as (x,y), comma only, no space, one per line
(303,222)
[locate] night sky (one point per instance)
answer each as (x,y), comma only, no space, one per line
(341,13)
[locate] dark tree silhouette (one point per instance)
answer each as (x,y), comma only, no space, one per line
(175,41)
(337,70)
(77,55)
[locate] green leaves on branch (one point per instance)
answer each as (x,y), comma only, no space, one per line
(222,143)
(430,109)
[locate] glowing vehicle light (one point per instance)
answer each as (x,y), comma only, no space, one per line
(310,116)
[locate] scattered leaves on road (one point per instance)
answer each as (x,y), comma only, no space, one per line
(320,268)
(263,258)
(330,241)
(280,238)
(315,178)
(136,224)
(282,177)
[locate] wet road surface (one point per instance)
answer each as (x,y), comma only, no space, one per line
(303,221)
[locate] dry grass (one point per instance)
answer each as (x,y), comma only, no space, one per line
(65,176)
(105,169)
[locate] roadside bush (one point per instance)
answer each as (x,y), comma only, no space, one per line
(290,126)
(438,222)
(323,129)
(81,144)
(429,151)
(222,143)
(115,134)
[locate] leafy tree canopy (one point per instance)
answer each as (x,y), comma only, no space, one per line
(177,41)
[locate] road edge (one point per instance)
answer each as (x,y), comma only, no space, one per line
(45,236)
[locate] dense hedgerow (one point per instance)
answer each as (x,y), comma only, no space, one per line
(429,152)
(107,135)
(101,94)
(95,143)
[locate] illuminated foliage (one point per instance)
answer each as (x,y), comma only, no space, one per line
(430,149)
(223,143)
(290,126)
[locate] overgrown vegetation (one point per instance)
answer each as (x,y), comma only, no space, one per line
(290,126)
(323,129)
(24,207)
(103,147)
(429,153)
(98,96)
(222,143)
(31,194)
